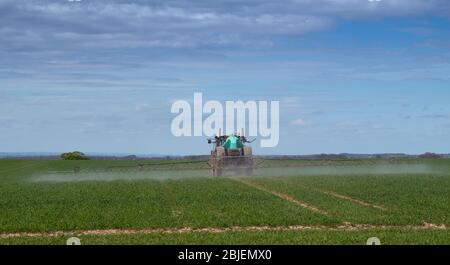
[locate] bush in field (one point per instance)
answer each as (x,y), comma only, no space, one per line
(74,156)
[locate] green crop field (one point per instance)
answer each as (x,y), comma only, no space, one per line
(400,201)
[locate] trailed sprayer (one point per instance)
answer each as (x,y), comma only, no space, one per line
(231,154)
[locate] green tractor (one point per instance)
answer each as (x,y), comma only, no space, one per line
(230,154)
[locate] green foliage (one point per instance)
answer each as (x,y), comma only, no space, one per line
(27,203)
(76,155)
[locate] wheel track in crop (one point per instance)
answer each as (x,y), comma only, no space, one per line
(354,200)
(346,226)
(345,197)
(283,196)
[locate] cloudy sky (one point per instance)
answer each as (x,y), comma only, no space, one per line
(355,76)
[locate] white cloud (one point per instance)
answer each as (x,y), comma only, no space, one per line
(298,122)
(178,24)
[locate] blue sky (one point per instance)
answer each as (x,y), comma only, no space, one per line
(100,76)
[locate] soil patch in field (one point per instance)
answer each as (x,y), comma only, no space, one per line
(344,226)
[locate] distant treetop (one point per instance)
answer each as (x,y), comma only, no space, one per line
(76,155)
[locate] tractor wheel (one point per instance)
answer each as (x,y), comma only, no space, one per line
(220,151)
(247,150)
